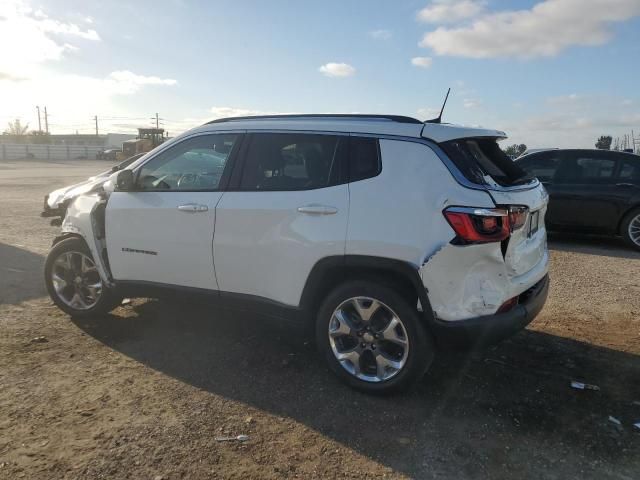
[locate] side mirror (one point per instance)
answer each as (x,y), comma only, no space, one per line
(124,181)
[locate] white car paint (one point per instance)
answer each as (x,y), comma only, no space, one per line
(266,243)
(259,243)
(150,239)
(398,214)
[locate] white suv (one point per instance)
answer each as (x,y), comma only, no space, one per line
(396,237)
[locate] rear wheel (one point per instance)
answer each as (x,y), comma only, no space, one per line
(630,229)
(372,338)
(73,281)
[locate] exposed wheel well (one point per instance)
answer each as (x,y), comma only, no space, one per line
(64,236)
(331,272)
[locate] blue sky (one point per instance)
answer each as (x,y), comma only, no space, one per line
(549,72)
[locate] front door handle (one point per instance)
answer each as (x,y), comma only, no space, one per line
(318,210)
(193,208)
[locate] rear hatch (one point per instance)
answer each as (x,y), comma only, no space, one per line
(484,164)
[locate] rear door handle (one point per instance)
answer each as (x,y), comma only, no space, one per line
(318,210)
(193,208)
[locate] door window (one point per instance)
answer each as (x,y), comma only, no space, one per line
(585,168)
(364,158)
(195,164)
(283,161)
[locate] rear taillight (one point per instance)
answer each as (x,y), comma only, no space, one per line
(482,225)
(479,225)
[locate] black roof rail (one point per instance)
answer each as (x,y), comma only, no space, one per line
(392,118)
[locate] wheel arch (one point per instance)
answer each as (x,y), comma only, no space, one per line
(625,214)
(329,272)
(65,235)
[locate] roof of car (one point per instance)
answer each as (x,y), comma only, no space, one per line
(548,150)
(395,125)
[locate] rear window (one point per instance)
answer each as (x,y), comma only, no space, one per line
(478,158)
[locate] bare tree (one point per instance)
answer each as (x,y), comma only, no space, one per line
(16,128)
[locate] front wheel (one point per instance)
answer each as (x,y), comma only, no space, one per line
(372,338)
(73,281)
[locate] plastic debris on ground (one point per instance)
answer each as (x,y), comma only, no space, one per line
(615,421)
(584,386)
(239,438)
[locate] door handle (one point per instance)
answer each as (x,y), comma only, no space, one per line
(193,208)
(318,210)
(625,185)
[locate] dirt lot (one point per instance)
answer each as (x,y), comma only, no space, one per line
(143,392)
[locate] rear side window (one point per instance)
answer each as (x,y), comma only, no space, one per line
(364,158)
(478,158)
(585,168)
(543,167)
(282,161)
(630,171)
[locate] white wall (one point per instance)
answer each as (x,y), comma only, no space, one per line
(17,151)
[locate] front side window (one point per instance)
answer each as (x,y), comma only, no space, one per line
(585,168)
(193,164)
(283,161)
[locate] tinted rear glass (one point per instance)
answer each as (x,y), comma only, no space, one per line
(478,158)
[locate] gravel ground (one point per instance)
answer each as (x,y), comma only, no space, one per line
(143,393)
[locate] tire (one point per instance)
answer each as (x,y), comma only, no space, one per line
(339,312)
(630,228)
(69,260)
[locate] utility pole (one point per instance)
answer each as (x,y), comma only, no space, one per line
(96,120)
(39,125)
(157,120)
(46,120)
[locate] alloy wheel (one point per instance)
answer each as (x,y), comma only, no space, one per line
(634,230)
(76,280)
(368,339)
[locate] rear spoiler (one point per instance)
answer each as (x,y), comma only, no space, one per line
(443,132)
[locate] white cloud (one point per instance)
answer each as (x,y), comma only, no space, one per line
(72,100)
(337,70)
(422,62)
(226,112)
(572,121)
(30,37)
(381,34)
(450,11)
(545,30)
(471,103)
(428,113)
(126,82)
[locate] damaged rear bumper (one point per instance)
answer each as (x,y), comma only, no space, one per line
(489,329)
